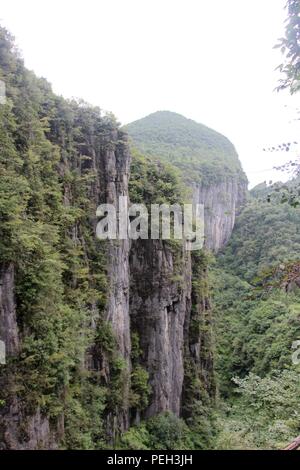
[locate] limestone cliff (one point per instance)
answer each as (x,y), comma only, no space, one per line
(207,161)
(24,429)
(112,168)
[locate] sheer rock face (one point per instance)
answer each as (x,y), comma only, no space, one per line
(116,174)
(19,430)
(159,301)
(112,165)
(221,202)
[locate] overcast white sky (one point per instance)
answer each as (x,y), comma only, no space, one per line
(212,61)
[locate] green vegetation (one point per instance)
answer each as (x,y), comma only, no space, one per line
(155,182)
(264,415)
(265,235)
(245,306)
(47,147)
(140,389)
(258,302)
(163,432)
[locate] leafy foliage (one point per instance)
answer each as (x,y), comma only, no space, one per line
(155,182)
(289,46)
(140,388)
(47,146)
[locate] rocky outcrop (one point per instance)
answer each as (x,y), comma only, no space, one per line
(221,202)
(171,313)
(18,430)
(170,307)
(159,301)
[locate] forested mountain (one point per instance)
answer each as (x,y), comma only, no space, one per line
(137,344)
(266,234)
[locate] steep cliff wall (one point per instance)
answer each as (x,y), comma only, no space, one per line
(112,168)
(70,304)
(169,291)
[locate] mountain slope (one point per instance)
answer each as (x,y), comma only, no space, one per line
(201,153)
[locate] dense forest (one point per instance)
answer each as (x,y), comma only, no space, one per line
(140,344)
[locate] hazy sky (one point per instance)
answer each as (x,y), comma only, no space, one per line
(212,61)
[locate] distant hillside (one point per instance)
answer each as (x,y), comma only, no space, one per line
(256,302)
(202,153)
